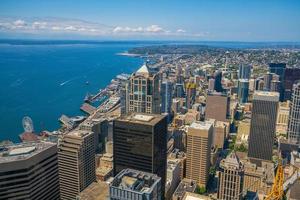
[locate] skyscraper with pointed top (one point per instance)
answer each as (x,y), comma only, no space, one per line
(231,178)
(142,93)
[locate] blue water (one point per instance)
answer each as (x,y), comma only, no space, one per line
(46,80)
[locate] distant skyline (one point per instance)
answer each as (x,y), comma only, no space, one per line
(214,20)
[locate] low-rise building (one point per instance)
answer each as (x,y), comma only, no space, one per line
(132,184)
(186,185)
(173,176)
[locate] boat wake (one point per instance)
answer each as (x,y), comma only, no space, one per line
(64,83)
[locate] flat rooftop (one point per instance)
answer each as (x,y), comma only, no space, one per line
(135,180)
(142,118)
(266,96)
(193,196)
(79,133)
(186,185)
(95,191)
(22,151)
(202,125)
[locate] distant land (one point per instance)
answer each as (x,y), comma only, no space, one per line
(220,44)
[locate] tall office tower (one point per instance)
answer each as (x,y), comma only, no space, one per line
(123,98)
(275,86)
(29,171)
(259,84)
(267,81)
(218,81)
(263,124)
(199,142)
(140,142)
(179,77)
(190,94)
(166,96)
(211,84)
(279,69)
(132,184)
(143,92)
(244,71)
(230,178)
(294,116)
(243,90)
(100,127)
(179,90)
(76,161)
(291,76)
(217,106)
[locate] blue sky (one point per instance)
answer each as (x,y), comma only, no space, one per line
(218,20)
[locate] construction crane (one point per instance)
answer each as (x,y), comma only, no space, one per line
(277,191)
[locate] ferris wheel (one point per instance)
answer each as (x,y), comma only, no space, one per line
(27,124)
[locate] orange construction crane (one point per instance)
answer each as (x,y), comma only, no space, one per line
(277,191)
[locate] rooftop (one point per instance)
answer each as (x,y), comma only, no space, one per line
(22,151)
(186,185)
(95,191)
(79,133)
(143,70)
(148,119)
(266,96)
(202,125)
(135,180)
(194,196)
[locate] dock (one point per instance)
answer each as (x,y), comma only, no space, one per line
(87,108)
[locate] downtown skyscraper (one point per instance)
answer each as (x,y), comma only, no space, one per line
(279,69)
(244,71)
(166,96)
(29,171)
(243,90)
(140,143)
(263,123)
(76,161)
(199,142)
(293,131)
(142,92)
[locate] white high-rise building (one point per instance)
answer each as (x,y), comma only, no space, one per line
(142,93)
(294,116)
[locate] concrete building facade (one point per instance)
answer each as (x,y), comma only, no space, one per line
(132,184)
(199,142)
(76,161)
(263,124)
(29,171)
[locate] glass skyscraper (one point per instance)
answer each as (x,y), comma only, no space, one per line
(166,96)
(140,142)
(243,90)
(244,71)
(279,69)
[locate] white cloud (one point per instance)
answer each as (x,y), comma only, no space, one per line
(19,23)
(79,27)
(39,25)
(70,28)
(155,29)
(149,29)
(56,28)
(180,31)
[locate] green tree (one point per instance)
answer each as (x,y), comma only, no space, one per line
(200,190)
